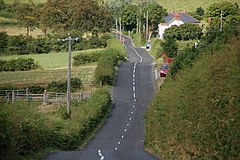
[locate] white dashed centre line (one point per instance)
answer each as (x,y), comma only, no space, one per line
(134,97)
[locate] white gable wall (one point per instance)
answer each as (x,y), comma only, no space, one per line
(163,26)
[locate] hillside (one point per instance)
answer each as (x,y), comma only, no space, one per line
(197,114)
(177,5)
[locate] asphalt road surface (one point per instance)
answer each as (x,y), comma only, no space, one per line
(122,136)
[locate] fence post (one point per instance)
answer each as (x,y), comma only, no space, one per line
(45,98)
(80,96)
(27,93)
(13,96)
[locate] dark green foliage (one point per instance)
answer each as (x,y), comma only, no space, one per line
(196,114)
(3,41)
(25,130)
(85,58)
(169,46)
(129,16)
(20,64)
(17,44)
(183,60)
(185,31)
(105,71)
(34,89)
(200,11)
(76,85)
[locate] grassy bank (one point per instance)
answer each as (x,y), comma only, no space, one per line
(196,115)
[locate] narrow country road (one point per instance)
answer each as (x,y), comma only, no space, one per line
(122,136)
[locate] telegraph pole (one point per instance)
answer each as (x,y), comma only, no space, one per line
(120,28)
(116,28)
(147,27)
(221,22)
(69,40)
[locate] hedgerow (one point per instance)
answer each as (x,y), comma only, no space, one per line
(21,64)
(25,130)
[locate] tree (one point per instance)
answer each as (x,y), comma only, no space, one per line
(169,46)
(185,31)
(129,17)
(81,15)
(200,11)
(117,5)
(156,13)
(26,15)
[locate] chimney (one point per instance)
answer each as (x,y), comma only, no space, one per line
(177,16)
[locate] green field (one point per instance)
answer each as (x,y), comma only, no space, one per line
(49,61)
(22,79)
(54,68)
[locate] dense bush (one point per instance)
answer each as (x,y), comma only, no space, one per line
(86,58)
(20,64)
(3,41)
(25,130)
(105,71)
(76,85)
(182,60)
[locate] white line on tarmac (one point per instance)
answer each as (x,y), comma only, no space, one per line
(100,154)
(137,54)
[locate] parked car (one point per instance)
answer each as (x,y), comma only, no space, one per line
(164,70)
(148,45)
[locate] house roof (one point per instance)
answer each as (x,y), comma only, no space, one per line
(184,17)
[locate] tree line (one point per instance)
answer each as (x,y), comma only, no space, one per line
(60,15)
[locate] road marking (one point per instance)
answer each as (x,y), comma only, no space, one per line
(119,142)
(134,95)
(122,136)
(134,88)
(134,71)
(130,119)
(137,54)
(116,148)
(125,130)
(132,112)
(133,75)
(127,124)
(133,80)
(100,154)
(133,83)
(135,100)
(133,106)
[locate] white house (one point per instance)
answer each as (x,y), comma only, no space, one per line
(174,18)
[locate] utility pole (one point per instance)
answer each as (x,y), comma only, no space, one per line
(116,28)
(221,21)
(120,28)
(140,19)
(69,40)
(147,27)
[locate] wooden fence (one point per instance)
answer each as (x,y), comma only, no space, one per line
(46,97)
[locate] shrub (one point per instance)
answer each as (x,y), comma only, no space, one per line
(86,58)
(3,41)
(105,71)
(76,84)
(20,64)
